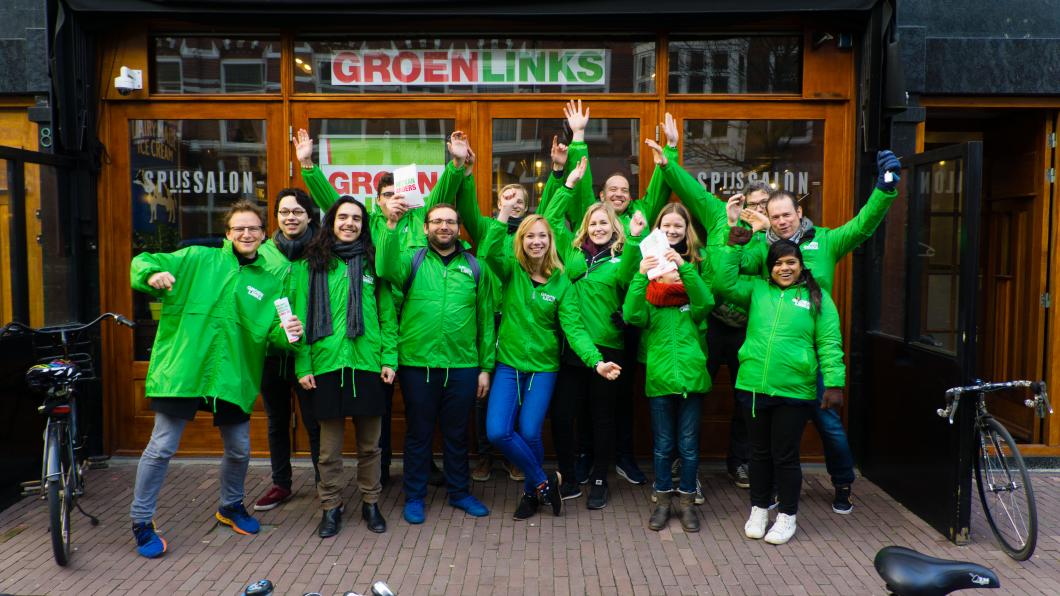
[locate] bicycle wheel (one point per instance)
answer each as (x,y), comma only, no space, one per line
(60,491)
(1005,491)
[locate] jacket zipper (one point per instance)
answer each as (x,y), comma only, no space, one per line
(772,333)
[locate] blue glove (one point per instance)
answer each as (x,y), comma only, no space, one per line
(887,161)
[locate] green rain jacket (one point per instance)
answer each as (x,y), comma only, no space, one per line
(215,326)
(785,336)
(600,283)
(676,354)
(374,349)
(531,317)
(446,321)
(822,250)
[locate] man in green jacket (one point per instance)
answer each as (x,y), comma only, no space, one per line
(442,368)
(822,249)
(217,318)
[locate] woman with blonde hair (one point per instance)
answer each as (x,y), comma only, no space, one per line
(537,302)
(600,264)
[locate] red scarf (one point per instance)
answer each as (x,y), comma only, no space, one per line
(662,294)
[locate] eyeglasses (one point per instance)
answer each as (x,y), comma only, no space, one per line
(439,222)
(290,212)
(252,230)
(758,205)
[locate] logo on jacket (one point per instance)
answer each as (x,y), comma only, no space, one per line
(256,293)
(368,279)
(801,303)
(616,259)
(548,297)
(465,270)
(811,246)
(685,308)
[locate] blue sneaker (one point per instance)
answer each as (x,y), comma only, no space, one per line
(236,517)
(471,505)
(148,543)
(414,511)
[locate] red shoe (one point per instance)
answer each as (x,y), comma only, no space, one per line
(273,498)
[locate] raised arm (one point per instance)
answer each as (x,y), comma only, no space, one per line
(324,195)
(829,343)
(467,207)
(578,120)
(392,262)
(487,331)
(850,235)
(492,252)
(658,190)
(706,208)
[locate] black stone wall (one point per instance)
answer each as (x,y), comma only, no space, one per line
(23,47)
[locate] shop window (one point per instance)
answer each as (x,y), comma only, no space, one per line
(745,64)
(474,65)
(184,175)
(522,146)
(728,155)
(190,65)
(353,153)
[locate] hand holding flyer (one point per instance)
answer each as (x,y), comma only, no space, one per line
(405,184)
(656,245)
(283,308)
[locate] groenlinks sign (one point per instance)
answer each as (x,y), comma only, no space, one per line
(470,67)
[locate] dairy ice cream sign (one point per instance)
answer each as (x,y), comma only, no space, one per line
(470,67)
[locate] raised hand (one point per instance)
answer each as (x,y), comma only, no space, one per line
(577,119)
(396,209)
(755,218)
(163,280)
(469,162)
(733,207)
(671,131)
(648,263)
(559,155)
(303,148)
(608,370)
(675,257)
(656,152)
(887,162)
(577,173)
(458,147)
(637,224)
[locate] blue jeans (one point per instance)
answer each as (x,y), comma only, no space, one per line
(521,445)
(675,419)
(165,439)
(443,397)
(837,456)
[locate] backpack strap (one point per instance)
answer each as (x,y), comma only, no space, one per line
(421,254)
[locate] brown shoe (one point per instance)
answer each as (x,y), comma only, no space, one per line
(513,472)
(686,511)
(661,515)
(482,471)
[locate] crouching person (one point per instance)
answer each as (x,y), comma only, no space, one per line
(217,318)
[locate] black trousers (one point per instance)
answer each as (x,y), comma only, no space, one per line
(384,436)
(776,431)
(586,401)
(723,346)
(277,381)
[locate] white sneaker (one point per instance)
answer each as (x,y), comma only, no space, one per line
(783,529)
(756,524)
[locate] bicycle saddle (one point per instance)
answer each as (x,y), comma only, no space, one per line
(42,377)
(909,573)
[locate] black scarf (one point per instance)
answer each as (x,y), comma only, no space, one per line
(294,248)
(513,224)
(681,247)
(319,315)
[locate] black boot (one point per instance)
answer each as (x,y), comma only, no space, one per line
(550,493)
(330,522)
(373,518)
(661,515)
(527,507)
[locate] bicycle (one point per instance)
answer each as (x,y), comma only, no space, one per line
(1005,488)
(56,377)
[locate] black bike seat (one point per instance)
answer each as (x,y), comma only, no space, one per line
(909,573)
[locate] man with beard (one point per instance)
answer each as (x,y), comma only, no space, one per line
(446,349)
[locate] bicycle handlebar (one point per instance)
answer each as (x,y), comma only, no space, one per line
(68,327)
(1040,401)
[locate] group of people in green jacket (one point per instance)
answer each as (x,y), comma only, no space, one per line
(545,317)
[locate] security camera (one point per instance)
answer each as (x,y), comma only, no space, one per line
(129,80)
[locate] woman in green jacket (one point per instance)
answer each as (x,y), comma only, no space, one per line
(350,352)
(791,326)
(671,310)
(217,318)
(536,302)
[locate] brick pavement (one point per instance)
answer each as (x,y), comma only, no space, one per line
(583,552)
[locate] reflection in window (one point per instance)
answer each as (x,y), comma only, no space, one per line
(474,65)
(185,174)
(355,153)
(727,155)
(939,252)
(749,64)
(215,65)
(890,311)
(521,148)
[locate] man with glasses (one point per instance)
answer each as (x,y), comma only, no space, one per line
(446,348)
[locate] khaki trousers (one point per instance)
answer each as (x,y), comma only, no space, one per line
(329,489)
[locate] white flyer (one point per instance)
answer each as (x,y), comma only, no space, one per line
(656,245)
(405,183)
(283,308)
